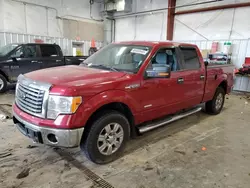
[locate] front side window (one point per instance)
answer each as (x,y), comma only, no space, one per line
(119,57)
(165,56)
(30,51)
(191,60)
(48,51)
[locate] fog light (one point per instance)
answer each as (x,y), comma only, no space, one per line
(52,138)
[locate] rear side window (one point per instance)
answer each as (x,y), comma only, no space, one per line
(48,51)
(191,60)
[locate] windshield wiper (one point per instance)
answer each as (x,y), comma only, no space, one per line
(113,69)
(105,67)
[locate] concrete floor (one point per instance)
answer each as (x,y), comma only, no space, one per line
(200,151)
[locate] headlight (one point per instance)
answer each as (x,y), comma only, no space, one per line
(62,105)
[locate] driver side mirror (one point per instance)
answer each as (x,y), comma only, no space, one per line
(158,71)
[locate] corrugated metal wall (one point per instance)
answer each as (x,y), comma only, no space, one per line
(66,44)
(41,17)
(240,49)
(242,83)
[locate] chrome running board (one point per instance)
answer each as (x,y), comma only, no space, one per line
(151,126)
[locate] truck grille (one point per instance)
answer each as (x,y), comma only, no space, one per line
(29,99)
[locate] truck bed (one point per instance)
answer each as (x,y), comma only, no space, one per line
(215,74)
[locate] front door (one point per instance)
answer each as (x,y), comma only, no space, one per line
(162,95)
(23,60)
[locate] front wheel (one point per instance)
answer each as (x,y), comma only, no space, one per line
(3,84)
(106,138)
(216,104)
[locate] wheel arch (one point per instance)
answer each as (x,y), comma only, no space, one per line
(112,106)
(5,75)
(223,85)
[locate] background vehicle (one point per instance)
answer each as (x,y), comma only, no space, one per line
(123,89)
(18,59)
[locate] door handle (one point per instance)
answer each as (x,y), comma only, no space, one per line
(58,60)
(202,77)
(180,80)
(33,61)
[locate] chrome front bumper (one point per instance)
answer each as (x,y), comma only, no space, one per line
(49,136)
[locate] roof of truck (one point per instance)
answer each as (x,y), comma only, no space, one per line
(154,43)
(34,44)
(42,43)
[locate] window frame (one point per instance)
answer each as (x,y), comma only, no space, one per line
(183,59)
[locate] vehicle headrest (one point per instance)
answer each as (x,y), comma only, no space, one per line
(161,58)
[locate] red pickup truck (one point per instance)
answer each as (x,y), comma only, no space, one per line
(122,90)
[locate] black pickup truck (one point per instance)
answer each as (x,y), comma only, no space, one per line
(18,59)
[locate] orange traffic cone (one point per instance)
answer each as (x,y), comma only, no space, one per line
(93,43)
(92,48)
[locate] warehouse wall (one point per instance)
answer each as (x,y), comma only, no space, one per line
(1,15)
(18,17)
(213,25)
(86,30)
(186,2)
(150,26)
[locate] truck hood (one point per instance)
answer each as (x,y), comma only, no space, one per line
(71,76)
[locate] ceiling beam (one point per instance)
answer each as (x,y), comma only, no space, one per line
(237,5)
(170,19)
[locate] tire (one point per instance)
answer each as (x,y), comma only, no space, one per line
(214,106)
(3,84)
(98,151)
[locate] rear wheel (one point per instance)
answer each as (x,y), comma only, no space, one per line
(3,84)
(106,138)
(216,104)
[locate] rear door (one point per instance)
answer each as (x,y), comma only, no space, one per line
(192,76)
(51,55)
(24,59)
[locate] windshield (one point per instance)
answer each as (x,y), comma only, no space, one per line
(119,57)
(6,49)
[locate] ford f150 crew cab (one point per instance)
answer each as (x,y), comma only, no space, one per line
(122,90)
(18,59)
